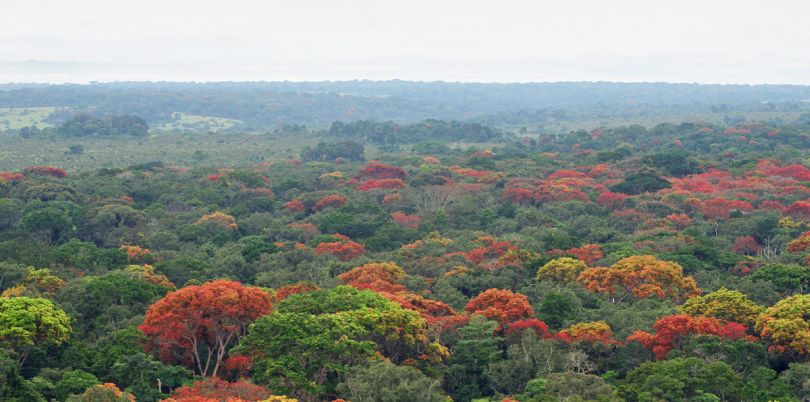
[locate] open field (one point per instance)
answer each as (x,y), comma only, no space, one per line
(19,117)
(171,148)
(193,122)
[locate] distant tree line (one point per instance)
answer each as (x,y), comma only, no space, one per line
(331,151)
(262,105)
(393,133)
(85,125)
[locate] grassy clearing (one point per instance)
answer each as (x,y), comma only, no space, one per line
(194,122)
(181,149)
(19,117)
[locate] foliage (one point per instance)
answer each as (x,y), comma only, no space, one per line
(381,277)
(723,304)
(785,325)
(26,322)
(196,325)
(681,379)
(103,393)
(561,270)
(440,240)
(84,125)
(219,218)
(330,151)
(385,381)
(640,277)
(335,329)
(343,248)
(217,389)
(501,305)
(670,330)
(598,331)
(642,182)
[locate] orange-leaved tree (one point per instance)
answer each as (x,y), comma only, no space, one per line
(785,325)
(289,290)
(330,201)
(196,325)
(800,244)
(640,277)
(343,248)
(377,276)
(385,278)
(594,331)
(501,305)
(220,219)
(214,389)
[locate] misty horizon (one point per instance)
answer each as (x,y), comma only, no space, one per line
(722,42)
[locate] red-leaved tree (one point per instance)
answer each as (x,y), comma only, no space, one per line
(196,325)
(672,329)
(502,306)
(295,205)
(289,290)
(377,170)
(799,210)
(719,208)
(516,329)
(405,220)
(344,248)
(384,184)
(611,200)
(46,171)
(331,200)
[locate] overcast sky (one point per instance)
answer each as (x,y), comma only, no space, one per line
(707,41)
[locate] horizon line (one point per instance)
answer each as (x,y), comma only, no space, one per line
(437,81)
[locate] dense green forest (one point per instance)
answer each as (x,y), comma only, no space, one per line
(399,256)
(394,241)
(404,201)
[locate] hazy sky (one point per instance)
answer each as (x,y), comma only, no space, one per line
(711,41)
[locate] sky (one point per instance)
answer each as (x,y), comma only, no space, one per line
(707,41)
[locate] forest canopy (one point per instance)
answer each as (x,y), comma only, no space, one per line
(403,254)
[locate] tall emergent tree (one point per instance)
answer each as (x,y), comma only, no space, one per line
(196,325)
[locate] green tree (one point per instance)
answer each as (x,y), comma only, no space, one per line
(385,381)
(103,304)
(10,212)
(13,386)
(26,322)
(641,182)
(681,379)
(334,329)
(73,383)
(527,359)
(331,344)
(570,385)
(563,270)
(786,278)
(724,304)
(476,349)
(146,378)
(763,385)
(51,224)
(797,378)
(559,307)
